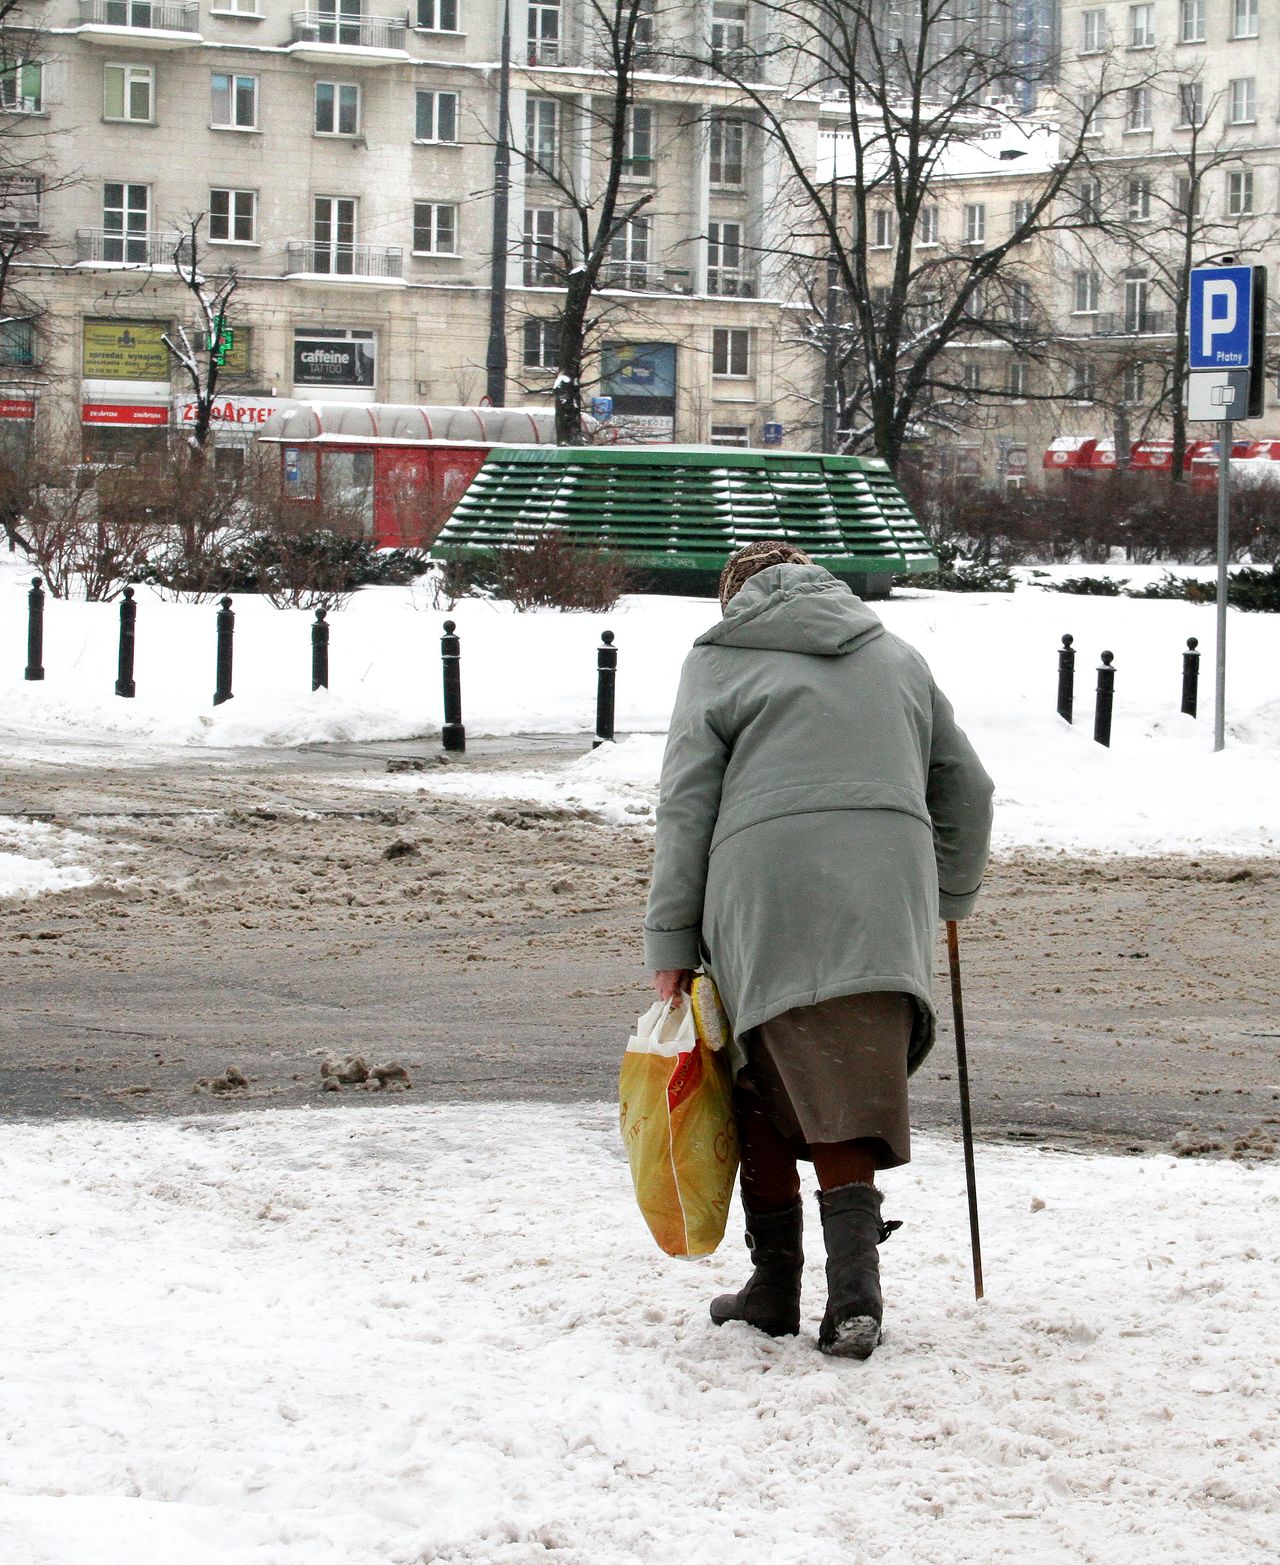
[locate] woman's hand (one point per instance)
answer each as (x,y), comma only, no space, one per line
(672,981)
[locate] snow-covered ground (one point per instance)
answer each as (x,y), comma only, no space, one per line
(35,858)
(333,1339)
(1158,789)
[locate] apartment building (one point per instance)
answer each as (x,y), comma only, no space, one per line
(342,161)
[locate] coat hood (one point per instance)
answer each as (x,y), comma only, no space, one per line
(795,608)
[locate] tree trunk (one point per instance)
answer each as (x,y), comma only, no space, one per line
(568,387)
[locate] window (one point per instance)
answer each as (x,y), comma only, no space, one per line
(541,123)
(1244,18)
(1242,101)
(1089,200)
(1019,301)
(727,140)
(1138,199)
(435,228)
(126,217)
(1086,293)
(1191,103)
(1092,115)
(730,435)
(629,254)
(337,109)
(17,342)
(237,7)
(333,233)
(928,228)
(235,102)
(1022,209)
(438,16)
(20,196)
(975,223)
(882,228)
(971,376)
(435,116)
(731,352)
(541,345)
(233,217)
(544,32)
(127,92)
(1139,112)
(1135,383)
(725,259)
(644,34)
(1187,196)
(1094,36)
(1019,382)
(541,252)
(1142,26)
(22,88)
(1240,194)
(337,21)
(1082,381)
(637,150)
(1192,30)
(1137,297)
(728,33)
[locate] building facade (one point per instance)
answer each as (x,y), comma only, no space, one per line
(342,162)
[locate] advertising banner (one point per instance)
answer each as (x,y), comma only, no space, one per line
(333,361)
(17,407)
(230,412)
(125,350)
(640,377)
(133,413)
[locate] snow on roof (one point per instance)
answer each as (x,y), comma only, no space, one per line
(1000,146)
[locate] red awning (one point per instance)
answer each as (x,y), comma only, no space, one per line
(1069,453)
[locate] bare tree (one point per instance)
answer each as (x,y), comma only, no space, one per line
(579,149)
(202,360)
(918,87)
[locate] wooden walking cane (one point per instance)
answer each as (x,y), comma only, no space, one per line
(966,1121)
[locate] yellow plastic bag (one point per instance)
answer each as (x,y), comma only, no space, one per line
(677,1121)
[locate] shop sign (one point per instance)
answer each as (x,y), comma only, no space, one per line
(133,413)
(17,407)
(333,361)
(125,350)
(230,412)
(640,377)
(641,429)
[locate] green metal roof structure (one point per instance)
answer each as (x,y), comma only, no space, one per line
(677,512)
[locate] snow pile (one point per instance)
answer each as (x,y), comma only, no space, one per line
(319,1339)
(35,858)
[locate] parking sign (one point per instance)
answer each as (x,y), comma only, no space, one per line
(1221,318)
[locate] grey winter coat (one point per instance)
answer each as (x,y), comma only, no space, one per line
(819,808)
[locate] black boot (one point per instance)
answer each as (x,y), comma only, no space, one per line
(852,1229)
(771,1299)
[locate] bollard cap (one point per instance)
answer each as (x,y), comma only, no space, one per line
(1192,643)
(1108,658)
(226,603)
(321,613)
(607,637)
(128,592)
(449,627)
(35,582)
(1067,640)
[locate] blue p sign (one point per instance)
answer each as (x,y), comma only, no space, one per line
(1221,318)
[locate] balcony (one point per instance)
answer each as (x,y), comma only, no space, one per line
(1122,323)
(731,285)
(377,264)
(142,24)
(136,247)
(644,277)
(327,36)
(546,51)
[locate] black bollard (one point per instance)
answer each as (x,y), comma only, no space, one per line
(35,630)
(1066,678)
(1190,677)
(128,621)
(320,652)
(226,638)
(453,736)
(1105,698)
(606,686)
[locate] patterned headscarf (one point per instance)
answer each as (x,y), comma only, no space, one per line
(744,564)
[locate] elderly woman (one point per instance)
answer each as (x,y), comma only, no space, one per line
(819,811)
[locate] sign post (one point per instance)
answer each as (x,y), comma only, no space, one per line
(1226,336)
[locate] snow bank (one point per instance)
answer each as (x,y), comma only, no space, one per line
(325,1338)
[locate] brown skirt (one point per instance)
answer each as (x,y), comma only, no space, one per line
(836,1071)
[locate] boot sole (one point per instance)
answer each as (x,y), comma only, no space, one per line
(855,1338)
(772,1328)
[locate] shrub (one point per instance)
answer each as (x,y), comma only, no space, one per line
(965,577)
(1088,586)
(1250,589)
(546,572)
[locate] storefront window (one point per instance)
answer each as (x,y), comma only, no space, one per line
(348,487)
